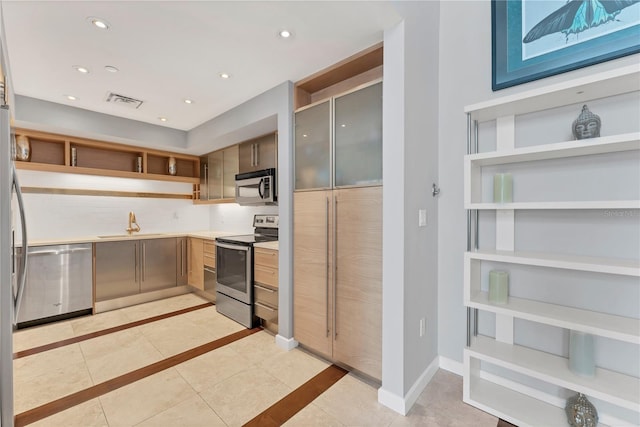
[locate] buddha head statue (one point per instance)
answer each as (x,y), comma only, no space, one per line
(587,125)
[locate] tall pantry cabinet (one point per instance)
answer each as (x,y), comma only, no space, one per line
(337,203)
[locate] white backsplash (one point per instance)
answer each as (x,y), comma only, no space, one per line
(54,216)
(235,218)
(63,216)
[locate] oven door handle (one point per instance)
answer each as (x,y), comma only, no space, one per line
(230,246)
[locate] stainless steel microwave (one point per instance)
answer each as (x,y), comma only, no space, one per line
(256,188)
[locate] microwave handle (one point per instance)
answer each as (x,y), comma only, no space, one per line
(260,186)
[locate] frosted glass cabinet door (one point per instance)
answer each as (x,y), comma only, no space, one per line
(313,147)
(215,175)
(358,137)
(230,169)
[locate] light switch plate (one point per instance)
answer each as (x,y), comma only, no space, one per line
(422,217)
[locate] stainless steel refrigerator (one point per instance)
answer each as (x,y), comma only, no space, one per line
(12,268)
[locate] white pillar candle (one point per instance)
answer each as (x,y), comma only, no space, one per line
(498,286)
(581,354)
(502,188)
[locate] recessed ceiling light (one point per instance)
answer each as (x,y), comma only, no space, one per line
(111,68)
(343,125)
(71,97)
(81,69)
(285,34)
(99,23)
(188,101)
(224,75)
(304,135)
(162,119)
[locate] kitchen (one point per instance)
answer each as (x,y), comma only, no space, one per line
(418,288)
(69,215)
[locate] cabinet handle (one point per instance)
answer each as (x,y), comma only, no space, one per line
(327,263)
(144,259)
(182,257)
(257,156)
(335,267)
(206,179)
(265,289)
(135,262)
(252,155)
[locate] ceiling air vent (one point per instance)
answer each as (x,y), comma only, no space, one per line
(123,100)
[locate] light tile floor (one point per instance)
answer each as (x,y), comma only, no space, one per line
(225,387)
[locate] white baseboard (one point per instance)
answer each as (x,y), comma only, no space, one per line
(286,343)
(402,405)
(451,365)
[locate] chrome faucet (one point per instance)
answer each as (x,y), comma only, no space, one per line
(132,221)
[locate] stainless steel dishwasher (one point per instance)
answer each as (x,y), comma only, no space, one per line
(59,283)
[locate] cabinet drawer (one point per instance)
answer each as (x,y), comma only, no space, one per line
(266,257)
(265,312)
(209,253)
(266,295)
(265,275)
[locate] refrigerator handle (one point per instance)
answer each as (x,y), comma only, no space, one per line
(22,272)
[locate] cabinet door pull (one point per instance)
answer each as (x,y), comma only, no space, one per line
(135,262)
(144,259)
(182,257)
(257,149)
(265,289)
(327,263)
(335,267)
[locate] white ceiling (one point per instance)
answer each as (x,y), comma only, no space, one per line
(167,51)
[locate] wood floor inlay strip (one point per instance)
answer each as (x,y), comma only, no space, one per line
(71,400)
(291,404)
(107,331)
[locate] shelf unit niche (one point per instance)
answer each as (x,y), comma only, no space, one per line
(52,153)
(356,70)
(520,402)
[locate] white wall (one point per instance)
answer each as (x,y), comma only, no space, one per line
(52,117)
(465,78)
(410,153)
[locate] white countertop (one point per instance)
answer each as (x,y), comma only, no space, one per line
(118,237)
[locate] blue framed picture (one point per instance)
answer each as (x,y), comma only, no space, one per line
(533,39)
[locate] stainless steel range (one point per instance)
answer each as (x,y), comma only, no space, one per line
(234,265)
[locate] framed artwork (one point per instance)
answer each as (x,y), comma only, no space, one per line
(533,39)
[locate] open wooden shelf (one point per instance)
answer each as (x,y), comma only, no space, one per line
(52,153)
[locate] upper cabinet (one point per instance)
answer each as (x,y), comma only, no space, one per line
(60,153)
(358,137)
(259,153)
(338,142)
(217,182)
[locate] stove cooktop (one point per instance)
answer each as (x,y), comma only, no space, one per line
(247,239)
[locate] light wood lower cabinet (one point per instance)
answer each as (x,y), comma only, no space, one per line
(337,275)
(265,268)
(196,263)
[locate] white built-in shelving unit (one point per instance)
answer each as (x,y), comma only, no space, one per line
(509,396)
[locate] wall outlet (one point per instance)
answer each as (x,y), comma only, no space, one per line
(423,326)
(422,217)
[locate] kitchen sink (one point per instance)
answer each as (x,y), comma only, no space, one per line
(112,236)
